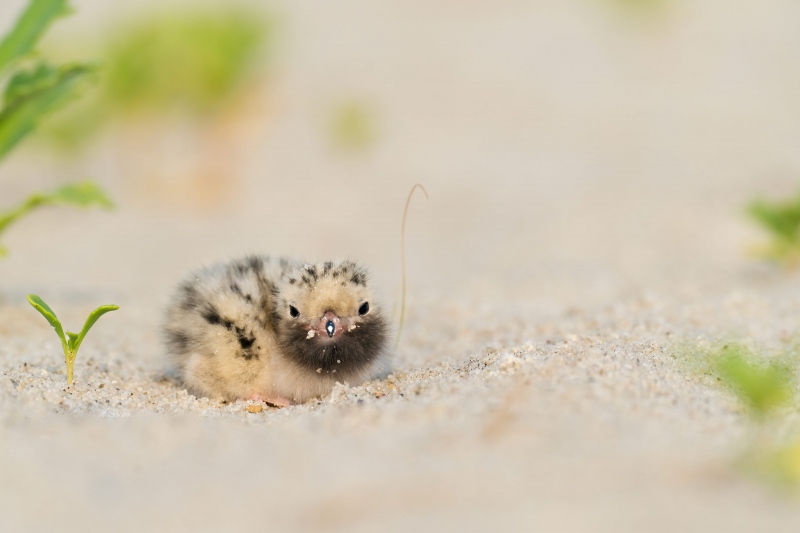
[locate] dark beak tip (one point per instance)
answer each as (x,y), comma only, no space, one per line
(330,327)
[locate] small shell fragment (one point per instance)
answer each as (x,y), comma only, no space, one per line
(311,334)
(254,408)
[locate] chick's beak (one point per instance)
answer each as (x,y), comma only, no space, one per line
(330,325)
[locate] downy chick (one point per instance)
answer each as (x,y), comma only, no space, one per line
(276,330)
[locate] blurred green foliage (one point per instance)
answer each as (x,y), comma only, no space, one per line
(647,8)
(34,90)
(353,126)
(781,464)
(192,62)
(32,95)
(781,219)
(640,4)
(189,60)
(85,194)
(763,386)
(766,384)
(30,27)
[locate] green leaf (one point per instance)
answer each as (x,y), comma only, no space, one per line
(25,82)
(94,316)
(82,194)
(50,316)
(71,339)
(34,95)
(782,219)
(29,29)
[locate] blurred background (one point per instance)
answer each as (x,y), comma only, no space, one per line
(572,150)
(589,164)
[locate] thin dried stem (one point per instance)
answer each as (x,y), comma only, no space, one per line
(403,259)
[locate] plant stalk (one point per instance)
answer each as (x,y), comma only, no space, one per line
(70,359)
(403,260)
(11,216)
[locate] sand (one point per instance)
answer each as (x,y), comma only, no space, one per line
(587,173)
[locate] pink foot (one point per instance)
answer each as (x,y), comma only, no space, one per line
(274,401)
(277,401)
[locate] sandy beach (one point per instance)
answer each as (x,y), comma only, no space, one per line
(588,170)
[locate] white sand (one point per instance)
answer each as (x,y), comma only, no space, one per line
(587,178)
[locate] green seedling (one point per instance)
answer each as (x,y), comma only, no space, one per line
(764,386)
(72,341)
(781,219)
(35,90)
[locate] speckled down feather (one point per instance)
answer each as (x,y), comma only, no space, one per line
(275,329)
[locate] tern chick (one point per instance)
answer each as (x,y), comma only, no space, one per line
(275,330)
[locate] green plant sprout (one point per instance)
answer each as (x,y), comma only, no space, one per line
(762,386)
(36,89)
(72,341)
(782,220)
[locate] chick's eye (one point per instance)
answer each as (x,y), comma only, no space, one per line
(293,312)
(364,309)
